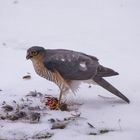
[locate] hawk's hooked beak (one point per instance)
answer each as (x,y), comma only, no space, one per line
(28,56)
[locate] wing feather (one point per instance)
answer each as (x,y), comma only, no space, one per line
(72,65)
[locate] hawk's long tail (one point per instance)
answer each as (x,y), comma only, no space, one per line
(106,85)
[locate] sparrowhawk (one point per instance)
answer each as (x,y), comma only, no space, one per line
(67,69)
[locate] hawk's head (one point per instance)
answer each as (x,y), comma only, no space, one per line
(34,52)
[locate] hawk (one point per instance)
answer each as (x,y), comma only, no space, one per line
(67,69)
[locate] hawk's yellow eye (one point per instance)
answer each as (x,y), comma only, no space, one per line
(34,53)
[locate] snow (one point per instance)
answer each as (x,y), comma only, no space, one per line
(107,29)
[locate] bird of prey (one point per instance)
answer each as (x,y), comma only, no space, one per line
(67,69)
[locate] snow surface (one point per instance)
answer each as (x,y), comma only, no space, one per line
(107,29)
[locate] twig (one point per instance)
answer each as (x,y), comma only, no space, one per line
(90,125)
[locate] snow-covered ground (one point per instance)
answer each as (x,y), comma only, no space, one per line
(107,29)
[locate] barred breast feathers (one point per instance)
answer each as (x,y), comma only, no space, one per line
(51,76)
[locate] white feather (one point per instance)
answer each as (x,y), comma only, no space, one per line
(75,85)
